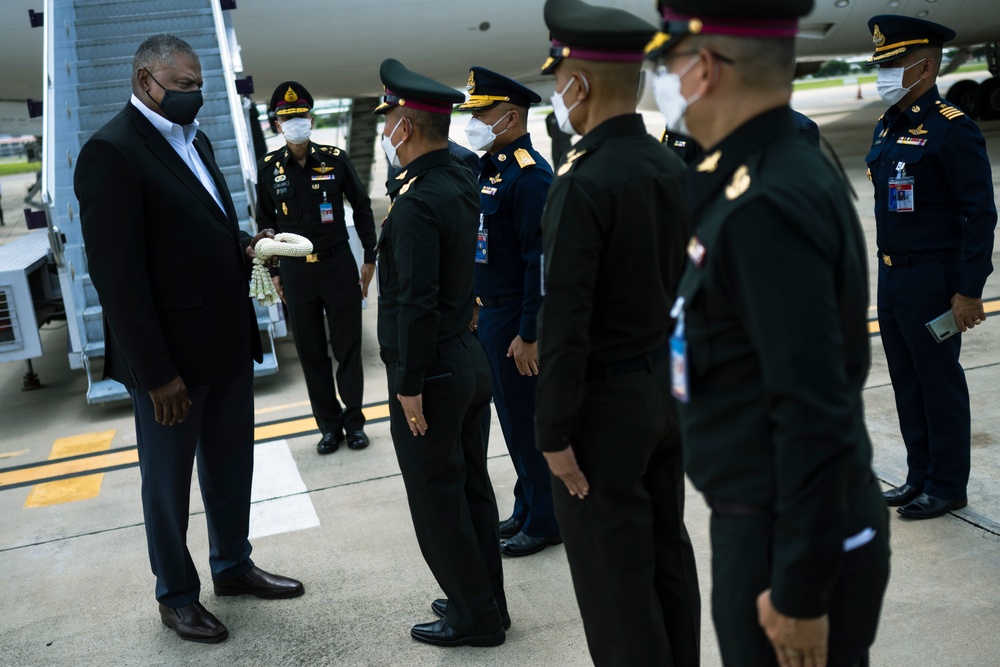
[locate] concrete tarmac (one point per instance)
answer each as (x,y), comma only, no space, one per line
(75,585)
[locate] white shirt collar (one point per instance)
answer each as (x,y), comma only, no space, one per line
(170,130)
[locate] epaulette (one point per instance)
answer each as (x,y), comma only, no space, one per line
(568,161)
(948,111)
(524,158)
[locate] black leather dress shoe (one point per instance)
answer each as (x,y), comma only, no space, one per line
(330,443)
(194,623)
(440,607)
(525,545)
(357,439)
(928,507)
(509,528)
(439,633)
(900,495)
(260,583)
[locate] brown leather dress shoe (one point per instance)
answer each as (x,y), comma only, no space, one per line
(194,623)
(260,583)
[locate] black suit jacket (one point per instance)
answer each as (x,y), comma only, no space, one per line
(168,264)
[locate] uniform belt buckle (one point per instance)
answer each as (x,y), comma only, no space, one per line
(479,302)
(887,259)
(312,258)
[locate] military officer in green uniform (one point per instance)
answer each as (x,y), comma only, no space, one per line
(613,235)
(439,380)
(301,189)
(770,351)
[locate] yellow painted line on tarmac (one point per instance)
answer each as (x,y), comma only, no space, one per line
(278,408)
(76,488)
(992,306)
(10,455)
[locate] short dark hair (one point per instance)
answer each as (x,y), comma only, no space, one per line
(433,126)
(758,62)
(159,50)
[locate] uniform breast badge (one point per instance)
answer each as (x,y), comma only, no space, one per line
(739,184)
(570,158)
(918,130)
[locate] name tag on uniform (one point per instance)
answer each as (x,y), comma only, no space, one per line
(482,243)
(901,195)
(326,212)
(678,355)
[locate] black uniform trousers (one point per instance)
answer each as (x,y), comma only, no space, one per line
(932,396)
(629,552)
(328,290)
(741,570)
(448,487)
(218,431)
(514,399)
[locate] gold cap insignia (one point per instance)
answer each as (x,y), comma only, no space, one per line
(471,85)
(878,39)
(290,95)
(739,184)
(710,163)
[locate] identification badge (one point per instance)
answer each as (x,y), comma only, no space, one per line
(326,212)
(678,355)
(901,194)
(482,247)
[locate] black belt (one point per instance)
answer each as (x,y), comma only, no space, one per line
(642,362)
(494,301)
(322,255)
(915,258)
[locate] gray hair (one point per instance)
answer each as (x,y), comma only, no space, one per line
(159,50)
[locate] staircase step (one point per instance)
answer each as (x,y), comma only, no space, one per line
(106,391)
(173,22)
(268,367)
(112,10)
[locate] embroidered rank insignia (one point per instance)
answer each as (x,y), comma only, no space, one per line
(696,251)
(496,178)
(403,190)
(710,163)
(322,168)
(523,158)
(918,130)
(951,113)
(487,190)
(402,175)
(279,178)
(284,208)
(739,184)
(915,108)
(911,141)
(502,157)
(267,158)
(570,158)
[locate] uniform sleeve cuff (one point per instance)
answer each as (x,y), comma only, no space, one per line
(370,256)
(551,439)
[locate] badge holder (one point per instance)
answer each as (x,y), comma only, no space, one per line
(482,243)
(678,355)
(901,191)
(325,210)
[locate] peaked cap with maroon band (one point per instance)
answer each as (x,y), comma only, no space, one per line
(763,19)
(404,88)
(603,34)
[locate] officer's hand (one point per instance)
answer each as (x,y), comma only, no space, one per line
(525,356)
(413,408)
(797,642)
(278,287)
(170,402)
(968,311)
(251,253)
(367,271)
(564,466)
(474,324)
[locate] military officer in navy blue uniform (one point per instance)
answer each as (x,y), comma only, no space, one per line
(934,221)
(613,233)
(301,189)
(438,377)
(514,180)
(770,351)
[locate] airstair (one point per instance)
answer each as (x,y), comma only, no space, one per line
(89,45)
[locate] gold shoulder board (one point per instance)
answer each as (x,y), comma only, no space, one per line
(523,158)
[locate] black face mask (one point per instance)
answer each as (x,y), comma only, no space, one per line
(179,106)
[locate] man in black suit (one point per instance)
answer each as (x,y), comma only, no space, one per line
(171,268)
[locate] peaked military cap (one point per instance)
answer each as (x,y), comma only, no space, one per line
(605,34)
(290,97)
(762,19)
(895,36)
(404,88)
(487,88)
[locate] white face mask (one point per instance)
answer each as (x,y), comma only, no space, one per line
(559,107)
(296,130)
(390,149)
(481,135)
(672,103)
(889,83)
